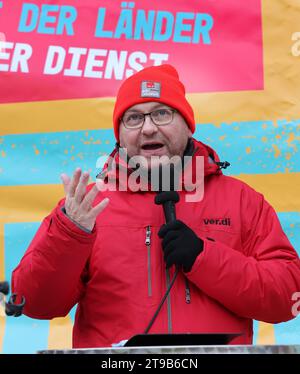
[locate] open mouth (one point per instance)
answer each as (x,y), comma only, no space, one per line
(152,146)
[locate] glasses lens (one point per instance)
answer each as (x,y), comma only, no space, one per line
(162,116)
(132,120)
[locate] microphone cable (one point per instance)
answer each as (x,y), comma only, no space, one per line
(162,302)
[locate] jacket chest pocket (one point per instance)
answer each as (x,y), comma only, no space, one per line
(223,235)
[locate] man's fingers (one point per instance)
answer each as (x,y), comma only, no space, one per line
(66,182)
(99,207)
(169,237)
(173,225)
(74,182)
(81,187)
(89,198)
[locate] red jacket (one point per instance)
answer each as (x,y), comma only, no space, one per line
(247,270)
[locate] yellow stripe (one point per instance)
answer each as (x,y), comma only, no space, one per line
(2,330)
(53,116)
(2,314)
(28,203)
(280,190)
(33,203)
(2,269)
(60,333)
(266,334)
(279,99)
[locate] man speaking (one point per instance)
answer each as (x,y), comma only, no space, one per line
(111,251)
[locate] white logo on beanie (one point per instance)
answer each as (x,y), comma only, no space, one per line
(150,89)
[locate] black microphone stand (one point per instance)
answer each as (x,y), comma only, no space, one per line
(12,307)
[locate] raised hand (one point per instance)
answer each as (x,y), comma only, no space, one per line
(78,203)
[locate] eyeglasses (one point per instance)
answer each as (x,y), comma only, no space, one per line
(160,117)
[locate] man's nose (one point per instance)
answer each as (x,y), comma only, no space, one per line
(149,127)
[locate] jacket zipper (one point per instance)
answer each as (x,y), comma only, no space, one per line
(169,303)
(148,245)
(187,291)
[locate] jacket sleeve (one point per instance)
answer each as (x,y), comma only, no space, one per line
(259,280)
(51,273)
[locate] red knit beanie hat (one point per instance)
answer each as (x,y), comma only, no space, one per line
(155,83)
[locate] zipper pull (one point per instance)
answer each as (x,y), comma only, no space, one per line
(187,292)
(148,236)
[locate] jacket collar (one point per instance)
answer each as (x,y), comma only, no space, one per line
(115,167)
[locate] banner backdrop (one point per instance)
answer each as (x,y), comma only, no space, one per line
(84,49)
(61,63)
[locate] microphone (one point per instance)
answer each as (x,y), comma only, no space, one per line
(168,199)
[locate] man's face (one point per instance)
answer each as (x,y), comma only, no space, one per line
(152,140)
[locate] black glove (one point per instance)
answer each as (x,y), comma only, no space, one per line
(180,244)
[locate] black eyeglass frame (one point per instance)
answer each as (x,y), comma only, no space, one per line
(149,114)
